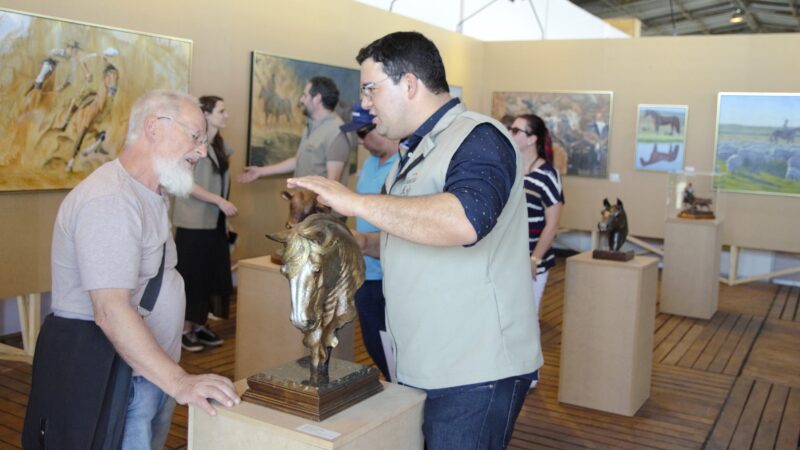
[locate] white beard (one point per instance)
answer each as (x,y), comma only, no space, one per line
(174,177)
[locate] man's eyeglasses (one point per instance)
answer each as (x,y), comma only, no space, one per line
(368,89)
(198,138)
(515,130)
(365,130)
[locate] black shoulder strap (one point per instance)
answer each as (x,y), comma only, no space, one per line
(152,289)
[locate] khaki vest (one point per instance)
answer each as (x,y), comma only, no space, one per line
(311,153)
(459,315)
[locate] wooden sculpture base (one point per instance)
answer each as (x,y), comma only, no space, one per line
(703,215)
(276,259)
(613,256)
(287,388)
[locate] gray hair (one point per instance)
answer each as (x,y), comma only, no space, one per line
(155,102)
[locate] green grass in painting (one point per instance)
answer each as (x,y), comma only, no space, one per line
(754,182)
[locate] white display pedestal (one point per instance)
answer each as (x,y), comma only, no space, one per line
(391,419)
(690,281)
(607,335)
(265,338)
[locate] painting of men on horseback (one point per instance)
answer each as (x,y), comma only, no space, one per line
(67,91)
(758,142)
(276,118)
(580,122)
(661,137)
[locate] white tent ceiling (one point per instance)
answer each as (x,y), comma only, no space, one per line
(505,20)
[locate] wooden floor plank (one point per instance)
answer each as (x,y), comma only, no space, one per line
(789,434)
(751,415)
(790,309)
(767,433)
(776,310)
(729,418)
(711,350)
(730,343)
(742,350)
(699,344)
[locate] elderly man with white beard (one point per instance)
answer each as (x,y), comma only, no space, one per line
(111,237)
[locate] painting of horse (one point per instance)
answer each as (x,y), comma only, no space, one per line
(661,137)
(673,122)
(325,267)
(579,122)
(756,143)
(276,118)
(67,93)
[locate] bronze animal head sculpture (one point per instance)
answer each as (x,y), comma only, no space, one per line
(302,203)
(614,222)
(325,267)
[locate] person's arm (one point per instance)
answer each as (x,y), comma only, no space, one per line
(369,243)
(252,173)
(136,345)
(336,156)
(552,218)
(436,219)
(227,208)
(334,169)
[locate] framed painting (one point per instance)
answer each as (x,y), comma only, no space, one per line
(276,118)
(758,143)
(66,90)
(578,121)
(661,137)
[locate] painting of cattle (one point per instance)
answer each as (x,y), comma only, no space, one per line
(758,143)
(276,118)
(66,90)
(578,121)
(661,137)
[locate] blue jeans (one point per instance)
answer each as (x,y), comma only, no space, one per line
(371,306)
(474,417)
(149,416)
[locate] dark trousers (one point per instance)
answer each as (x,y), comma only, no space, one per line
(371,306)
(476,416)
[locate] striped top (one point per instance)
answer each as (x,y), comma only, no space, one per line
(542,190)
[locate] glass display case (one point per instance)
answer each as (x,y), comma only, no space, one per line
(692,195)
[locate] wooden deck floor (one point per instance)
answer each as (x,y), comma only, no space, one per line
(729,382)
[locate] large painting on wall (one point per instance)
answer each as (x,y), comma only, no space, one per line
(758,143)
(578,121)
(276,119)
(661,137)
(66,89)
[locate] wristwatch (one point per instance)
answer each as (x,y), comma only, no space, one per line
(536,260)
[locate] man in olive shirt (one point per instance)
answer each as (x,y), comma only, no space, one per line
(323,149)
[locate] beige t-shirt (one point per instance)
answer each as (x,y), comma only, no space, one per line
(109,233)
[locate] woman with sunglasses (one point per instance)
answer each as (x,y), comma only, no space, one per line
(202,234)
(543,195)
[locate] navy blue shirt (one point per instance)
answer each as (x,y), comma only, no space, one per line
(481,171)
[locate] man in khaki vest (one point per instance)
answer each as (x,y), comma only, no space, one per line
(453,246)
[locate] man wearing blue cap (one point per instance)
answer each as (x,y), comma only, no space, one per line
(370,303)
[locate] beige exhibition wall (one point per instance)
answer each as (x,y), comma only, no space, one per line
(677,71)
(223,34)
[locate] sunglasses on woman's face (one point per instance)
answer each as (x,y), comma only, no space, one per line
(515,130)
(364,131)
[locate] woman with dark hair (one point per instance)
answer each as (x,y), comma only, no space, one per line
(202,233)
(543,194)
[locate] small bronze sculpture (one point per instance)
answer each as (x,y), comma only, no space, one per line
(325,268)
(695,207)
(613,223)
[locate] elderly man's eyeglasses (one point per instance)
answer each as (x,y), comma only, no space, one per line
(515,130)
(365,130)
(368,89)
(199,138)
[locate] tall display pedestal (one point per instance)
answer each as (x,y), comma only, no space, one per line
(690,282)
(389,420)
(265,338)
(607,335)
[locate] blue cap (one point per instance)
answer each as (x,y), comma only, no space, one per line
(361,118)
